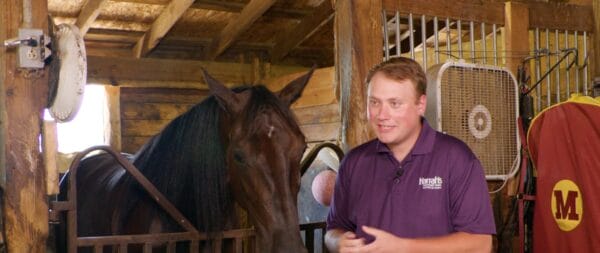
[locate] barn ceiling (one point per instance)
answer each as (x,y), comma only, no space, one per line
(298,32)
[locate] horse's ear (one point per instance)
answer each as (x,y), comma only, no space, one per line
(227,99)
(293,90)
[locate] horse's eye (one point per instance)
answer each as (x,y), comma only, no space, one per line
(238,157)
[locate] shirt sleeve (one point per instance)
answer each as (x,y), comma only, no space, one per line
(471,209)
(339,212)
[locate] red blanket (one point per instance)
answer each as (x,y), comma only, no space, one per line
(564,142)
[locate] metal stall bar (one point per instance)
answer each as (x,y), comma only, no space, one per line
(472,39)
(585,64)
(436,44)
(411,36)
(448,41)
(483,42)
(568,72)
(398,41)
(548,81)
(557,49)
(386,45)
(537,69)
(424,40)
(494,44)
(459,28)
(576,40)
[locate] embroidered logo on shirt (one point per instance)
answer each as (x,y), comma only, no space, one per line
(433,183)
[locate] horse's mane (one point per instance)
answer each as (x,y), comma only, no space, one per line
(188,154)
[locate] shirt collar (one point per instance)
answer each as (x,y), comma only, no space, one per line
(423,145)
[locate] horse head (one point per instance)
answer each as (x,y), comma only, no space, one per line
(264,146)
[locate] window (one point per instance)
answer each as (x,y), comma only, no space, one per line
(88,128)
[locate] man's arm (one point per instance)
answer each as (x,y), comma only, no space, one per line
(455,242)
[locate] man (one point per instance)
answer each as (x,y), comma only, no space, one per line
(411,189)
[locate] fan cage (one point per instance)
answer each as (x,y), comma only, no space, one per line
(479,105)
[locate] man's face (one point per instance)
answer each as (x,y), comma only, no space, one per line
(394,111)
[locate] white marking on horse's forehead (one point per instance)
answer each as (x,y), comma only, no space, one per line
(271,129)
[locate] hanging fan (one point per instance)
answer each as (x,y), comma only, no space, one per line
(68,72)
(477,104)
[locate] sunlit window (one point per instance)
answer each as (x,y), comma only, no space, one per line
(88,127)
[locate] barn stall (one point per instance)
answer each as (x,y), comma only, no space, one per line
(149,54)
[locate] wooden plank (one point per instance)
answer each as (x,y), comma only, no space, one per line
(162,95)
(153,111)
(117,69)
(287,41)
(318,114)
(113,96)
(161,26)
(321,132)
(358,48)
(320,90)
(50,150)
(22,99)
(561,16)
(131,144)
(216,5)
(517,34)
(472,10)
(89,13)
(253,10)
(142,127)
(168,73)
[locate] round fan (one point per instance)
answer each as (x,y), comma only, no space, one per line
(68,72)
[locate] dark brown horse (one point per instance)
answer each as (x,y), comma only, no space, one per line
(237,146)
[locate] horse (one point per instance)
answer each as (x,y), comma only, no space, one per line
(241,146)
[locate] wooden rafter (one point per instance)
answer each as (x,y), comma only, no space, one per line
(88,14)
(249,14)
(215,5)
(310,24)
(161,26)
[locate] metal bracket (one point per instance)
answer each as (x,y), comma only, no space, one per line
(31,47)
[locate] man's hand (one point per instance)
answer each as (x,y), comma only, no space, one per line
(384,242)
(348,242)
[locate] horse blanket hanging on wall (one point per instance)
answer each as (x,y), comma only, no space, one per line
(564,143)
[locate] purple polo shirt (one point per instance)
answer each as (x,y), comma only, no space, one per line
(442,190)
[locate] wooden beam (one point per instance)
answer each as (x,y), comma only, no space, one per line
(358,46)
(235,28)
(517,34)
(161,26)
(89,13)
(215,5)
(285,42)
(22,99)
(476,10)
(167,73)
(561,16)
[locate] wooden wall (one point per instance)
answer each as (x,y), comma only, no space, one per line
(145,111)
(317,110)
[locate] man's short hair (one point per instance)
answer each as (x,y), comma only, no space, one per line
(401,69)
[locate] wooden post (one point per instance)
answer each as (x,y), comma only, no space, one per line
(113,134)
(358,47)
(22,100)
(516,24)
